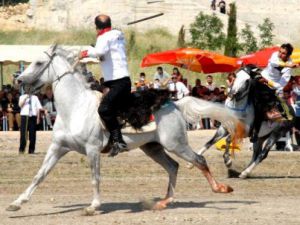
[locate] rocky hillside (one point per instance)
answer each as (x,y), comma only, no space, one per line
(70,14)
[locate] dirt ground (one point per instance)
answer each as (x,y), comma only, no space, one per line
(270,196)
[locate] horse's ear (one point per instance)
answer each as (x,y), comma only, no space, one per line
(54,47)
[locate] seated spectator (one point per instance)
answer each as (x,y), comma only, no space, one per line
(222,6)
(162,76)
(178,89)
(222,94)
(142,86)
(210,85)
(156,84)
(230,80)
(199,91)
(177,73)
(142,82)
(12,110)
(49,107)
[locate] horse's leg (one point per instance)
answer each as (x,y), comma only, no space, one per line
(261,153)
(157,153)
(93,155)
(220,133)
(226,155)
(185,152)
(54,153)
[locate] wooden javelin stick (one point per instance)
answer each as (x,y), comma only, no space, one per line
(146,18)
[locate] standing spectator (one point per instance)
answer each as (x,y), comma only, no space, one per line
(199,91)
(49,107)
(162,76)
(178,89)
(222,6)
(213,4)
(30,108)
(210,85)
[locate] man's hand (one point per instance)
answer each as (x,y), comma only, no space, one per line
(262,80)
(83,54)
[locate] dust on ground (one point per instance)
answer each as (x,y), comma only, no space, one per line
(270,196)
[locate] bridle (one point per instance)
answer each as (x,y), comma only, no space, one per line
(47,67)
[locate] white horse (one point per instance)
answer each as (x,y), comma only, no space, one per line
(78,127)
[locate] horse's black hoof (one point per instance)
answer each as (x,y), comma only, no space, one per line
(233,173)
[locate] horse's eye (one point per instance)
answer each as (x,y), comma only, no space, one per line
(39,63)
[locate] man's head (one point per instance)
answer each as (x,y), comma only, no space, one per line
(174,78)
(142,75)
(159,70)
(102,22)
(209,79)
(198,82)
(285,51)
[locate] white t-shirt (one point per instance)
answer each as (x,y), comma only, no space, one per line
(110,48)
(180,88)
(280,76)
(31,107)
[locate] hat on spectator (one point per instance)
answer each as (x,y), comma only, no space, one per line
(222,86)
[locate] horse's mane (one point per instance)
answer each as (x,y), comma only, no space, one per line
(71,55)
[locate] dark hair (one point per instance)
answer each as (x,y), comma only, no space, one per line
(209,76)
(102,22)
(288,47)
(159,68)
(177,70)
(142,74)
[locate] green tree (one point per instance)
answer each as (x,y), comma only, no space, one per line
(181,38)
(232,45)
(206,32)
(249,43)
(266,33)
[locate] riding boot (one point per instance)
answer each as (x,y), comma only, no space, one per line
(118,144)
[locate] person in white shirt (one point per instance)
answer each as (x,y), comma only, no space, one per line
(30,117)
(274,78)
(178,89)
(111,50)
(162,76)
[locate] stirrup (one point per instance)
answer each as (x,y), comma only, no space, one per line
(117,147)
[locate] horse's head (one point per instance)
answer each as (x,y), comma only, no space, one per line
(46,69)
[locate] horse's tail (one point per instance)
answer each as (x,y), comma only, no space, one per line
(193,109)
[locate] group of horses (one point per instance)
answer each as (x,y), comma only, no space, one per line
(78,127)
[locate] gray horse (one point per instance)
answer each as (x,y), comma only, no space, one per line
(241,105)
(78,127)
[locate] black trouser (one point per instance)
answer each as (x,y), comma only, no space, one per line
(28,124)
(115,100)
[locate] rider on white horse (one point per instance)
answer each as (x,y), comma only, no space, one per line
(110,49)
(274,78)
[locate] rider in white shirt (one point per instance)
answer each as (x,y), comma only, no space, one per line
(275,76)
(111,50)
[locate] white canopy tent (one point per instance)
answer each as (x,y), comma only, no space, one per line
(25,54)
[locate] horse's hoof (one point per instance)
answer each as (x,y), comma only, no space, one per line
(233,173)
(13,208)
(223,188)
(159,206)
(228,163)
(89,211)
(190,166)
(243,175)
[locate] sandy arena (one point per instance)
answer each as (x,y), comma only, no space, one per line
(270,196)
